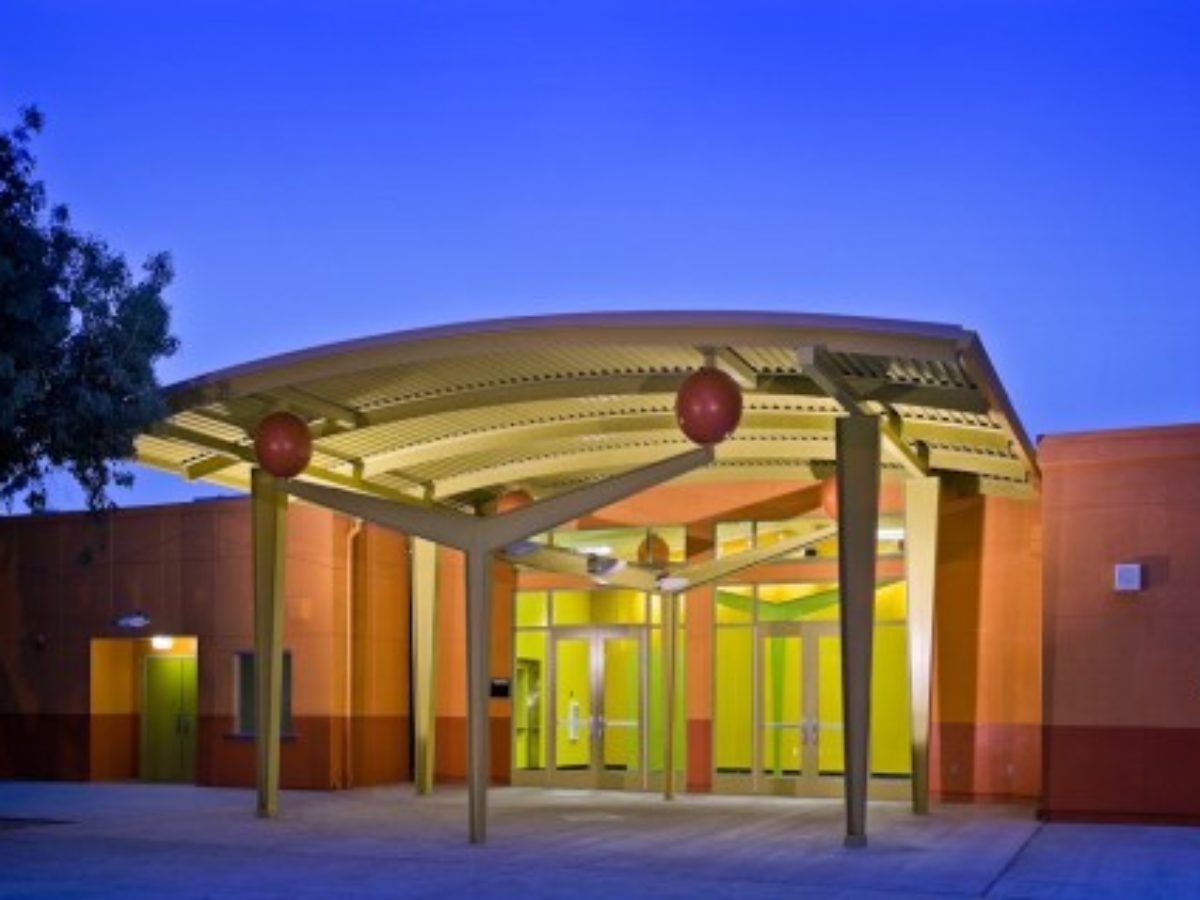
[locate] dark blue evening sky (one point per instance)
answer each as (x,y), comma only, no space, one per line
(1030,170)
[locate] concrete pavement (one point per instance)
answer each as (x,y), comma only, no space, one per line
(133,840)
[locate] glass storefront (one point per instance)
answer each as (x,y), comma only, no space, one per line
(588,689)
(588,699)
(777,690)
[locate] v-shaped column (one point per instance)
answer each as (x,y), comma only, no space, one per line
(479,537)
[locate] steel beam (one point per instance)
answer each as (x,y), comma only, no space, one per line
(670,648)
(858,522)
(479,609)
(424,624)
(501,530)
(269,511)
(921,496)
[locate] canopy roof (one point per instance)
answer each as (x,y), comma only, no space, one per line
(457,414)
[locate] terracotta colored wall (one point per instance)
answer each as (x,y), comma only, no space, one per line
(380,729)
(220,606)
(1122,670)
(684,502)
(188,566)
(64,578)
(114,722)
(700,540)
(450,661)
(987,656)
(450,692)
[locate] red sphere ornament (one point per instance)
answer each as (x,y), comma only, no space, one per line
(510,500)
(708,406)
(283,445)
(829,499)
(654,551)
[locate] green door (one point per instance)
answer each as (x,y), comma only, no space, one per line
(169,719)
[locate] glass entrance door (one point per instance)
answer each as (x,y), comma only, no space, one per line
(800,743)
(784,721)
(598,703)
(789,732)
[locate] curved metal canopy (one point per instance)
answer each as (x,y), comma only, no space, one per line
(457,414)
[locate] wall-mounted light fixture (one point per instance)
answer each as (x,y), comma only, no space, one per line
(1128,578)
(132,621)
(671,584)
(162,642)
(599,566)
(523,548)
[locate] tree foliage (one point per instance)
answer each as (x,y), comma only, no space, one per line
(79,337)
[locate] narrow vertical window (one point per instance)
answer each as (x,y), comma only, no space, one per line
(244,678)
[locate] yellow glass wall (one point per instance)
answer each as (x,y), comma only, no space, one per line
(529,700)
(622,726)
(796,602)
(831,748)
(531,609)
(783,704)
(656,736)
(573,703)
(891,730)
(599,607)
(890,726)
(734,700)
(780,617)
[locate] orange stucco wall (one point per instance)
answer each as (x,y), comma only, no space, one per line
(1122,670)
(987,704)
(450,678)
(64,578)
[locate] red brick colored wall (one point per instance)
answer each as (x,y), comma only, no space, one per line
(64,578)
(1122,670)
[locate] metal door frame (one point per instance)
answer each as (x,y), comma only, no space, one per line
(810,782)
(595,776)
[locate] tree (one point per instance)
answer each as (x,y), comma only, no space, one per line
(79,337)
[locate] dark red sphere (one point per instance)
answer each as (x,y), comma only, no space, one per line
(829,498)
(654,551)
(708,406)
(510,500)
(283,445)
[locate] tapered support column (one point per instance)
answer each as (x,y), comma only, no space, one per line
(479,603)
(858,521)
(424,623)
(670,663)
(269,506)
(921,496)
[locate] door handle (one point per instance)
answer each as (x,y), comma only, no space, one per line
(810,732)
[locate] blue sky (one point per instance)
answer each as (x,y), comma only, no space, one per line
(321,171)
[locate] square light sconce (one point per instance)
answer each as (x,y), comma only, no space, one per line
(1127,578)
